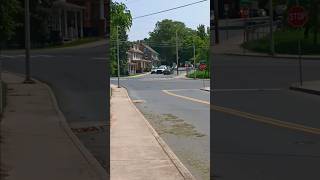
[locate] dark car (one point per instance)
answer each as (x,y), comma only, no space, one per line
(168,71)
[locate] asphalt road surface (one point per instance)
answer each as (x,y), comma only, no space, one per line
(264,144)
(78,79)
(182,123)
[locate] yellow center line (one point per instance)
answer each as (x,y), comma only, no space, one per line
(258,118)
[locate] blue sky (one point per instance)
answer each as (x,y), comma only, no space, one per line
(192,15)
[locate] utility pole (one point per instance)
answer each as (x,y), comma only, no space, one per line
(194,61)
(1,88)
(271,28)
(216,21)
(118,58)
(177,52)
(27,42)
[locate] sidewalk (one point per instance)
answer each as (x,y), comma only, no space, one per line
(311,87)
(233,47)
(48,50)
(137,151)
(37,143)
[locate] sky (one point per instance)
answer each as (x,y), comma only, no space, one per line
(192,16)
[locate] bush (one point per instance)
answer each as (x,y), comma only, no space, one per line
(199,74)
(286,42)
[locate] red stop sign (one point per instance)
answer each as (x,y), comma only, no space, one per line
(297,16)
(202,67)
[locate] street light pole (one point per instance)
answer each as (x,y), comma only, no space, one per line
(177,52)
(27,43)
(118,58)
(194,61)
(271,28)
(216,21)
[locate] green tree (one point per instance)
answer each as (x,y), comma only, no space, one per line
(38,22)
(201,31)
(313,8)
(120,17)
(8,12)
(163,40)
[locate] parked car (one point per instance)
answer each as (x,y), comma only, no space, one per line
(168,71)
(154,70)
(161,69)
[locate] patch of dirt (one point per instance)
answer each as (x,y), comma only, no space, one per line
(170,124)
(202,167)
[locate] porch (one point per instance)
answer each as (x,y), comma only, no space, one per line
(66,21)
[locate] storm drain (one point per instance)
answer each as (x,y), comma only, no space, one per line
(138,101)
(92,129)
(88,127)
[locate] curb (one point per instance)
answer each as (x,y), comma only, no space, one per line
(175,160)
(139,75)
(187,78)
(94,164)
(269,56)
(80,46)
(309,91)
(204,89)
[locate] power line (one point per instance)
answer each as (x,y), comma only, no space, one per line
(169,9)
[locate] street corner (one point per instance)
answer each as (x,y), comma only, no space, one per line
(310,87)
(205,89)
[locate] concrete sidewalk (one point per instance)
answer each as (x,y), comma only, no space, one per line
(137,151)
(233,47)
(37,143)
(53,49)
(311,87)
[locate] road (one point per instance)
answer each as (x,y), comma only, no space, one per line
(249,136)
(183,124)
(78,79)
(254,146)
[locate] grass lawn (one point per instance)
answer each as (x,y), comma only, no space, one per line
(76,42)
(286,42)
(199,75)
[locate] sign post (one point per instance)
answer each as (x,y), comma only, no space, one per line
(297,18)
(203,67)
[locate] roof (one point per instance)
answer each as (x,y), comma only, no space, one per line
(148,47)
(63,3)
(135,50)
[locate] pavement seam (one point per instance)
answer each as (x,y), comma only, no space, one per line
(174,159)
(92,161)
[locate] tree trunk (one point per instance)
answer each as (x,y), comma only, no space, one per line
(316,23)
(315,37)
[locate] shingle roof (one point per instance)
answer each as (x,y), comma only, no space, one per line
(148,47)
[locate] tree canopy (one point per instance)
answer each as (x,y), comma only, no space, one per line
(120,17)
(163,40)
(8,11)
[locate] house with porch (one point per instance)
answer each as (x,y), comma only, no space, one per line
(136,62)
(150,54)
(73,19)
(66,21)
(141,58)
